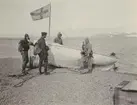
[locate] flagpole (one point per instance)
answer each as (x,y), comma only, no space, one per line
(50,19)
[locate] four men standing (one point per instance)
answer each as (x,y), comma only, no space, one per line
(42,51)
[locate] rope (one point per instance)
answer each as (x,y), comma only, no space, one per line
(128,64)
(25,80)
(22,82)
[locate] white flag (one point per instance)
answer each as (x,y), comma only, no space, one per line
(41,13)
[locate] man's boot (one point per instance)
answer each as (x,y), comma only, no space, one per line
(24,72)
(40,71)
(45,72)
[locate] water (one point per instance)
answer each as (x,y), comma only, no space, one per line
(124,47)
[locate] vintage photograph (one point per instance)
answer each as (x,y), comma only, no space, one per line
(68,52)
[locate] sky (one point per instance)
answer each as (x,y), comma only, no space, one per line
(68,16)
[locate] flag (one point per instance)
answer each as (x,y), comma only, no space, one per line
(41,13)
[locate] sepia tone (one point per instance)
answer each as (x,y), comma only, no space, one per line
(68,52)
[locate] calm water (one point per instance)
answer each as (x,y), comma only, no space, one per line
(124,47)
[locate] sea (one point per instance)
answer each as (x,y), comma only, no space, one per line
(125,47)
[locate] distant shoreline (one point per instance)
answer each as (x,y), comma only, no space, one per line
(9,38)
(133,34)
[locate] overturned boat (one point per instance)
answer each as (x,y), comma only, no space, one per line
(63,56)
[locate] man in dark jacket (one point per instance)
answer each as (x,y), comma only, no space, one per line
(43,55)
(24,46)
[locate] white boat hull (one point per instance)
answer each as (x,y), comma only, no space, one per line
(62,56)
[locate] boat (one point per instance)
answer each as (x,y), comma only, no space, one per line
(63,56)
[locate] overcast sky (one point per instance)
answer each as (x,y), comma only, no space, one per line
(67,15)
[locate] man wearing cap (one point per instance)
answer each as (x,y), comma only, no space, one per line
(58,39)
(43,55)
(24,46)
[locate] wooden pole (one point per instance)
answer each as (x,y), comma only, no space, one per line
(50,19)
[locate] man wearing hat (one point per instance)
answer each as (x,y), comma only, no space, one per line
(43,55)
(24,46)
(58,39)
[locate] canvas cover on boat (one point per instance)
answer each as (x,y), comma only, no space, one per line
(62,56)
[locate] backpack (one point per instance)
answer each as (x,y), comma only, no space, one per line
(36,50)
(47,48)
(20,48)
